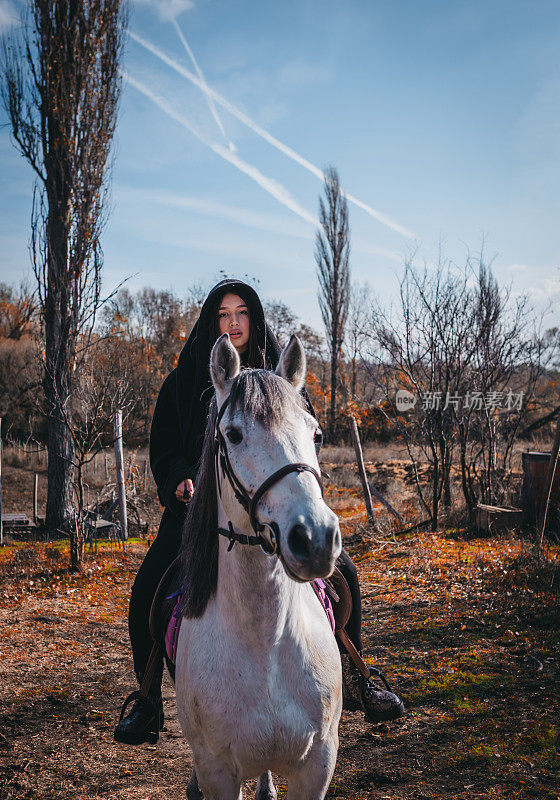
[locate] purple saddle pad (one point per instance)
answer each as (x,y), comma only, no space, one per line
(319,589)
(172,633)
(173,626)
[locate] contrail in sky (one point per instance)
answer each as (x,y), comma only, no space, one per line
(204,86)
(256,128)
(268,184)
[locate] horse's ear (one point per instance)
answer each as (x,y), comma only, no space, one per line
(292,363)
(224,366)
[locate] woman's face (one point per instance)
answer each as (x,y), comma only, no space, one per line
(233,318)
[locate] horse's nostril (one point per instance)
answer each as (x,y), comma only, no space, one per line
(299,539)
(331,536)
(338,540)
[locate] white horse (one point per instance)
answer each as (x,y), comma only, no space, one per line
(258,676)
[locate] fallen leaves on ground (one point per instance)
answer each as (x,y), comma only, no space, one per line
(464,629)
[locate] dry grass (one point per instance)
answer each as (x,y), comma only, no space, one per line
(465,628)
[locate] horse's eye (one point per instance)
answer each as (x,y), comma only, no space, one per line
(318,438)
(234,435)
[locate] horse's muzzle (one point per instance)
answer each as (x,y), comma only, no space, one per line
(311,552)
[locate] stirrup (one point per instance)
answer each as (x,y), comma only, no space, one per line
(137,695)
(373,671)
(143,723)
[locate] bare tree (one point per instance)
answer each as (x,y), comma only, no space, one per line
(417,351)
(284,322)
(104,385)
(471,357)
(357,326)
(60,87)
(332,255)
(18,311)
(509,356)
(281,319)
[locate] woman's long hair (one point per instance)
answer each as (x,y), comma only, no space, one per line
(263,397)
(199,550)
(200,542)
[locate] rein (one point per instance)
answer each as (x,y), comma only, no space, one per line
(223,464)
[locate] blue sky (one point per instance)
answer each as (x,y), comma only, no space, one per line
(442,118)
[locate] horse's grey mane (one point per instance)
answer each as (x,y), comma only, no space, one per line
(266,398)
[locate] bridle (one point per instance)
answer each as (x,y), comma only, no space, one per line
(223,465)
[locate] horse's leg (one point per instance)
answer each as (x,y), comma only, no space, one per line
(216,780)
(313,779)
(193,789)
(265,788)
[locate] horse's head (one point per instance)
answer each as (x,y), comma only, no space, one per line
(265,427)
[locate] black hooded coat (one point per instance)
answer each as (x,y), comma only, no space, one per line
(181,412)
(176,439)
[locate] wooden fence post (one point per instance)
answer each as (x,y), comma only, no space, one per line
(362,469)
(119,463)
(1,527)
(386,503)
(35,493)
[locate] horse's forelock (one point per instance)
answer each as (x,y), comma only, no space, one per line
(264,397)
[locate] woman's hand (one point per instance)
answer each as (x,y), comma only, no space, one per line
(185,491)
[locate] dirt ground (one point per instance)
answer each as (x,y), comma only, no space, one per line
(466,629)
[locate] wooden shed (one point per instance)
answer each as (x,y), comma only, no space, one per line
(18,525)
(535,470)
(497,518)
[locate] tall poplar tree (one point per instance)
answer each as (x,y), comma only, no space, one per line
(60,86)
(332,255)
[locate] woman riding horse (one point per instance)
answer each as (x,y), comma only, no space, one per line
(176,439)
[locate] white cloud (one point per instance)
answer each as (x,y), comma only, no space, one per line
(231,250)
(272,140)
(257,220)
(371,250)
(8,16)
(270,185)
(301,72)
(547,292)
(209,98)
(544,298)
(517,267)
(168,9)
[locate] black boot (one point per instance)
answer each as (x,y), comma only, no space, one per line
(144,721)
(359,693)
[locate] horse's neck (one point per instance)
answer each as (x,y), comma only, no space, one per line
(254,594)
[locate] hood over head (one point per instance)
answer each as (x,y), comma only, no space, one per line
(194,386)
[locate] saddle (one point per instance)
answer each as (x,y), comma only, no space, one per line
(165,602)
(165,619)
